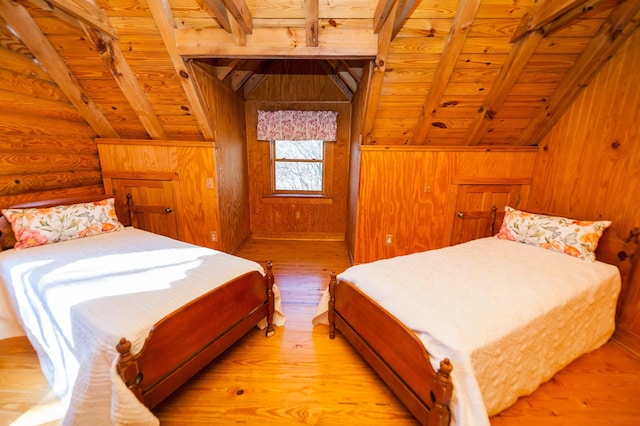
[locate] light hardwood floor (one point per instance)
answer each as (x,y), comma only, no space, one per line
(300,376)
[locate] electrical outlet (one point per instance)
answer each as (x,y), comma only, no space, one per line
(213,236)
(388,240)
(427,187)
(298,215)
(209,183)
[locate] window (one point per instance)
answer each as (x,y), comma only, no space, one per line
(298,166)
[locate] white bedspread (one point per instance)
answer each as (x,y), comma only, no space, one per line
(77,298)
(507,315)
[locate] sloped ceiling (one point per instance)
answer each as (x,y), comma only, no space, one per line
(452,72)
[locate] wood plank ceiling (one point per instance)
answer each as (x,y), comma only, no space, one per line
(450,72)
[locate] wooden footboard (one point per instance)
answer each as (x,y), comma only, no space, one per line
(393,351)
(185,341)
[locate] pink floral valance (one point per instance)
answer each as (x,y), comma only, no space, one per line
(297,125)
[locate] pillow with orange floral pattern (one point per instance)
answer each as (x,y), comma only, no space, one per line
(574,237)
(38,226)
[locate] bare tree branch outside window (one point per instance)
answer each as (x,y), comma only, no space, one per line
(298,165)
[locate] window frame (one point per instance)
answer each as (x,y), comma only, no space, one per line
(327,169)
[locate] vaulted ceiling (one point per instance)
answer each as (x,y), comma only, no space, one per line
(450,72)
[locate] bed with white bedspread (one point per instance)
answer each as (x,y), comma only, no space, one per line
(507,315)
(76,299)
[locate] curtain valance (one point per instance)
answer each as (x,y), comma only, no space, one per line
(297,125)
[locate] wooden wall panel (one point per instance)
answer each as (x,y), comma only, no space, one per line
(232,179)
(193,162)
(296,217)
(297,80)
(589,164)
(358,106)
(46,148)
(410,193)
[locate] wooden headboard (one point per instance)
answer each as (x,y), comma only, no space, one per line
(621,252)
(7,239)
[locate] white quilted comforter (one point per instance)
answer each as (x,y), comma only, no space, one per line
(75,300)
(507,315)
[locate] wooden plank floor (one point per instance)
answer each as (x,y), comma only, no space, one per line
(300,376)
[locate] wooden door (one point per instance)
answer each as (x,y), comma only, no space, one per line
(475,207)
(153,204)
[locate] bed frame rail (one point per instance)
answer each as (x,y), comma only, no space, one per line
(175,349)
(393,351)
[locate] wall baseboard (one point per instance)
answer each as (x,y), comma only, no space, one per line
(308,236)
(628,340)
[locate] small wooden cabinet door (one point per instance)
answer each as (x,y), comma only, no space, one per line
(154,204)
(473,215)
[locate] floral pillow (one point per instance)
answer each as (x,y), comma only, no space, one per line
(577,238)
(37,226)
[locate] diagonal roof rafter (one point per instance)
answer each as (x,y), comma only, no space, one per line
(554,14)
(28,31)
(620,24)
(465,15)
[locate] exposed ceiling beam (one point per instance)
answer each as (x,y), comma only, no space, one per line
(355,72)
(311,22)
(324,65)
(88,13)
(509,74)
(377,77)
(250,68)
(161,12)
(383,9)
(239,35)
(467,10)
(241,13)
(620,24)
(405,8)
(111,54)
(342,71)
(223,71)
(518,58)
(72,21)
(122,73)
(260,73)
(28,31)
(568,17)
(217,9)
(543,14)
(334,42)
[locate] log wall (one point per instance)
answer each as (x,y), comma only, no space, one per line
(589,165)
(46,148)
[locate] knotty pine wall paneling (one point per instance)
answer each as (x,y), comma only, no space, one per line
(232,178)
(358,107)
(298,85)
(298,217)
(46,148)
(589,165)
(193,162)
(411,193)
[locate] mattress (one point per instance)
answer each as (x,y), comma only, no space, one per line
(76,299)
(508,315)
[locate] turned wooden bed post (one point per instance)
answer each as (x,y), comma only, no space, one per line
(441,395)
(270,331)
(332,306)
(128,367)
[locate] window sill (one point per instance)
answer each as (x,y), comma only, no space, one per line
(296,198)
